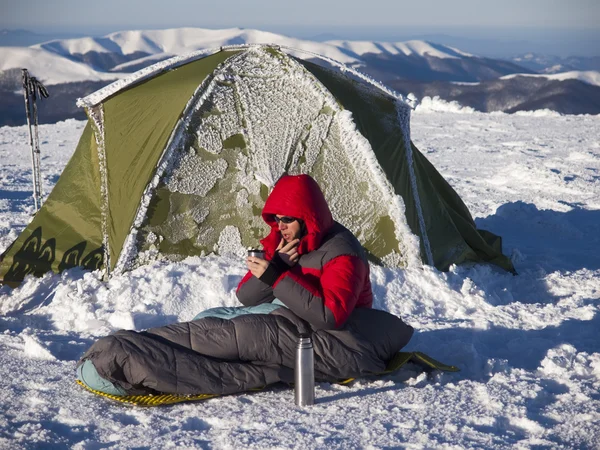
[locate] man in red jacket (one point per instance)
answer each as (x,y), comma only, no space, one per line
(314,265)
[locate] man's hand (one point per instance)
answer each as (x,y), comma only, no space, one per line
(288,252)
(257,265)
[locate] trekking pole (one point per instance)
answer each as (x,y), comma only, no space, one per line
(31,86)
(28,115)
(39,88)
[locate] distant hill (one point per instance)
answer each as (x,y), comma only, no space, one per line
(73,68)
(512,94)
(555,64)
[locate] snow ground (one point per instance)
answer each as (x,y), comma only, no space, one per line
(527,345)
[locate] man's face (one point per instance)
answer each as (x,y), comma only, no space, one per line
(288,226)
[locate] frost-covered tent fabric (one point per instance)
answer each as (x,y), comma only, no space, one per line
(178,160)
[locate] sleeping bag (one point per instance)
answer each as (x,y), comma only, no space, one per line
(217,355)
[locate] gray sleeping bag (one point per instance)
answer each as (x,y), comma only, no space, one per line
(213,355)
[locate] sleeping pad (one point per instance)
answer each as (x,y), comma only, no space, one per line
(242,349)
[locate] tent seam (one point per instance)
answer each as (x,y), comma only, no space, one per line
(404,122)
(96,113)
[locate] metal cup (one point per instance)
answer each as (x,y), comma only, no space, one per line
(257,253)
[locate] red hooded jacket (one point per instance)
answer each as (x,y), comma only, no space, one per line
(331,277)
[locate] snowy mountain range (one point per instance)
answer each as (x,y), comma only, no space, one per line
(129,51)
(76,67)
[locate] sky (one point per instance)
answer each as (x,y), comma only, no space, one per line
(75,14)
(554,22)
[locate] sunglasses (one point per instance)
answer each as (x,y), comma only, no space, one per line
(284,219)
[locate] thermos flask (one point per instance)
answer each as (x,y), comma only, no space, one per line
(304,372)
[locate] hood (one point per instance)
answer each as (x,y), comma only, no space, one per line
(297,196)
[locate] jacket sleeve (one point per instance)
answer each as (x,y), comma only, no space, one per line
(341,281)
(251,291)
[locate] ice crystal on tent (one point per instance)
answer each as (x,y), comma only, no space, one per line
(210,140)
(241,199)
(199,214)
(277,106)
(230,243)
(196,175)
(219,127)
(179,227)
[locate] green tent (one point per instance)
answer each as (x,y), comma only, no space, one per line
(178,159)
